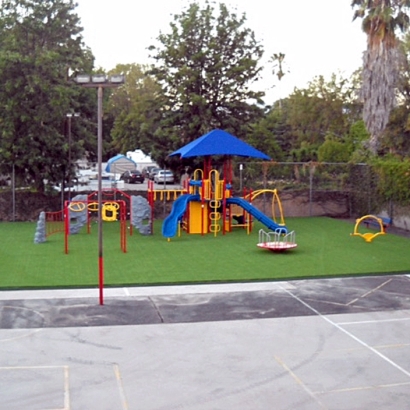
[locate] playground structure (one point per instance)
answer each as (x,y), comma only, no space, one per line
(117,206)
(369,236)
(83,209)
(206,205)
(276,241)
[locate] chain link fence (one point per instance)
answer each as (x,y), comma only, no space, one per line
(305,189)
(315,189)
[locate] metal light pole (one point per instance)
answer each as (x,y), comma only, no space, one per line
(69,116)
(100,81)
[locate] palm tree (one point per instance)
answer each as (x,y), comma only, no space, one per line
(381,19)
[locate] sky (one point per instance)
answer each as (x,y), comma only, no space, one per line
(318,37)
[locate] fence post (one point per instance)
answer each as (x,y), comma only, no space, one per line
(311,172)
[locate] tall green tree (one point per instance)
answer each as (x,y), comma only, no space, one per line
(135,109)
(323,108)
(381,20)
(206,66)
(40,42)
(295,127)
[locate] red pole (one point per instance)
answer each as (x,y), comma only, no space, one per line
(151,204)
(250,216)
(123,222)
(66,227)
(100,222)
(101,278)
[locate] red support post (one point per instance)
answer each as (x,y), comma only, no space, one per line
(66,226)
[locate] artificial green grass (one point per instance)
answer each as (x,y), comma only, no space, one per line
(325,249)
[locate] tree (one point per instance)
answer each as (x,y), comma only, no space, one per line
(135,109)
(333,150)
(271,133)
(40,40)
(277,60)
(205,66)
(381,19)
(295,127)
(396,138)
(321,109)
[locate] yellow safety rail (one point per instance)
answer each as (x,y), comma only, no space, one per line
(168,194)
(275,199)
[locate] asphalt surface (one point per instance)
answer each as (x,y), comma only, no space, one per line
(325,296)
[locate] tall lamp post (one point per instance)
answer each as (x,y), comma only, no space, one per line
(69,117)
(100,81)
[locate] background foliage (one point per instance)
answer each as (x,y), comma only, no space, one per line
(204,75)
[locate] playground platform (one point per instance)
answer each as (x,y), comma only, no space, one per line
(312,344)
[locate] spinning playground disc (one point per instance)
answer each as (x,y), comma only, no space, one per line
(276,241)
(277,246)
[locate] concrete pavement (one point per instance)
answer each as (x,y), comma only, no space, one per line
(311,344)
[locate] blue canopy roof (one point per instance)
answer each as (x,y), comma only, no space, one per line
(218,142)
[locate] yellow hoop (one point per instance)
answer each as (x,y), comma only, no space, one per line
(115,205)
(93,206)
(76,206)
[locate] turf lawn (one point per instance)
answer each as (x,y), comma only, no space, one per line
(325,249)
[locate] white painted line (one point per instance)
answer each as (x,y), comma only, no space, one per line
(208,288)
(337,326)
(126,292)
(135,291)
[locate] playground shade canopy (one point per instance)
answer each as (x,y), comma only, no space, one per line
(119,164)
(218,142)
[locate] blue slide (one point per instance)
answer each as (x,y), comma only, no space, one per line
(260,216)
(170,224)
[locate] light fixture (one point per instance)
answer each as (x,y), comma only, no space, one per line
(70,114)
(82,79)
(98,78)
(117,79)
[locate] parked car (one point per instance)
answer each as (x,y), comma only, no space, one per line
(132,177)
(147,170)
(164,177)
(153,172)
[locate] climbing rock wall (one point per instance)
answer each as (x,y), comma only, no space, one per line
(140,212)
